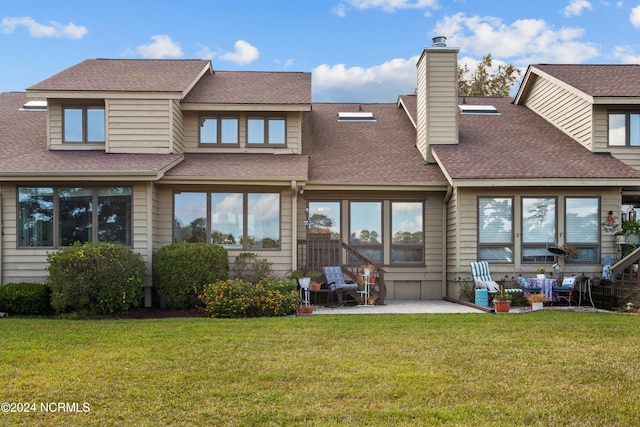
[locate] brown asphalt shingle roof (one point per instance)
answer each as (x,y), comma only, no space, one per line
(128,75)
(598,80)
(519,144)
(252,87)
(23,149)
(361,152)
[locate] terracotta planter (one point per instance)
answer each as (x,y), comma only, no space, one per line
(502,306)
(305,310)
(315,286)
(372,279)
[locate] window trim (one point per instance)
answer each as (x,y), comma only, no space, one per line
(627,127)
(85,122)
(420,246)
(266,118)
(95,227)
(218,117)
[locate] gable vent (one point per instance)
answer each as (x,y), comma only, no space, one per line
(357,116)
(35,106)
(478,109)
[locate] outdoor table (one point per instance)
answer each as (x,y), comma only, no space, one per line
(546,285)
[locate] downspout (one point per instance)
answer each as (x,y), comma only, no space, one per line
(294,225)
(445,251)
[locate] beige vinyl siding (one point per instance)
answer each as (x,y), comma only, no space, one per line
(30,264)
(191,136)
(421,113)
(564,109)
(139,126)
(629,155)
(177,127)
(54,129)
(453,243)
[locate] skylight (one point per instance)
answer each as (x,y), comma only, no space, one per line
(478,109)
(356,116)
(35,106)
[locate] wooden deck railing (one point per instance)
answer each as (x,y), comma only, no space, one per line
(623,286)
(313,254)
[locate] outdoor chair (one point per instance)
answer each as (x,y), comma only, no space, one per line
(345,291)
(564,292)
(482,279)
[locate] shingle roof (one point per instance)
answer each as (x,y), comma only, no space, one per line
(23,148)
(364,152)
(519,144)
(243,166)
(252,87)
(130,75)
(598,80)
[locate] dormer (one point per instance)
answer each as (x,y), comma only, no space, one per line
(119,106)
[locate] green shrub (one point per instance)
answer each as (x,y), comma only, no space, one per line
(181,270)
(248,267)
(237,298)
(25,298)
(94,278)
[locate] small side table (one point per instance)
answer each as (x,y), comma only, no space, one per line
(364,294)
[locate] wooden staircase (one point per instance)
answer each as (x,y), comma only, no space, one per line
(623,286)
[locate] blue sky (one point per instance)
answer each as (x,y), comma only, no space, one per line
(357,50)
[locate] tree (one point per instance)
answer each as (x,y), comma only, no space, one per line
(482,82)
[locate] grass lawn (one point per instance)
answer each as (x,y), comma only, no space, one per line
(543,368)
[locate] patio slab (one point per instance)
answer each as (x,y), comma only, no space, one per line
(401,307)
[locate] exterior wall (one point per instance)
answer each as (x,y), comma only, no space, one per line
(564,109)
(402,281)
(610,199)
(54,130)
(25,264)
(453,243)
(191,136)
(437,97)
(629,155)
(139,126)
(177,125)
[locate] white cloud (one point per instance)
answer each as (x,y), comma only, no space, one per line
(575,7)
(524,41)
(162,47)
(626,55)
(205,53)
(392,5)
(379,83)
(54,29)
(244,53)
(635,17)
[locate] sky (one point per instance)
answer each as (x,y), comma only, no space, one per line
(357,50)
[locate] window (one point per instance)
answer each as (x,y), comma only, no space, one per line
(84,124)
(407,233)
(219,130)
(583,228)
(266,130)
(495,229)
(49,217)
(538,229)
(624,128)
(324,220)
(233,220)
(365,222)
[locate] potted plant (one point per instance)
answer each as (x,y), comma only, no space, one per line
(537,301)
(368,269)
(632,230)
(502,300)
(540,274)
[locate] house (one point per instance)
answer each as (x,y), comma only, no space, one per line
(150,152)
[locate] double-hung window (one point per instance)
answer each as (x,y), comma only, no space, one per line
(495,229)
(624,128)
(407,232)
(266,130)
(220,130)
(83,124)
(583,228)
(538,229)
(61,216)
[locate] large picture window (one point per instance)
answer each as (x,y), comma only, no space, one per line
(324,220)
(624,128)
(365,232)
(583,228)
(538,229)
(407,232)
(495,229)
(57,217)
(232,220)
(84,124)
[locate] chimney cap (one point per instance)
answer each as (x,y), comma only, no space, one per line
(439,41)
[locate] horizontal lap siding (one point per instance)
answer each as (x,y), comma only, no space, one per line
(177,127)
(565,110)
(139,126)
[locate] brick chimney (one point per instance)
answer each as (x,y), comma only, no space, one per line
(437,97)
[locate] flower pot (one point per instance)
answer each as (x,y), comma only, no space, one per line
(371,301)
(621,239)
(304,282)
(315,286)
(502,306)
(366,271)
(540,276)
(537,306)
(372,279)
(305,310)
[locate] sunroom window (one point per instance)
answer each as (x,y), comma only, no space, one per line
(538,229)
(583,228)
(365,232)
(495,229)
(407,233)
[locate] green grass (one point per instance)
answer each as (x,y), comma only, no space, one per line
(544,368)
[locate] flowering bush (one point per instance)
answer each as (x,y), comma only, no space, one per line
(236,298)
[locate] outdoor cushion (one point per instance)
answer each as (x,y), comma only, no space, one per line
(488,284)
